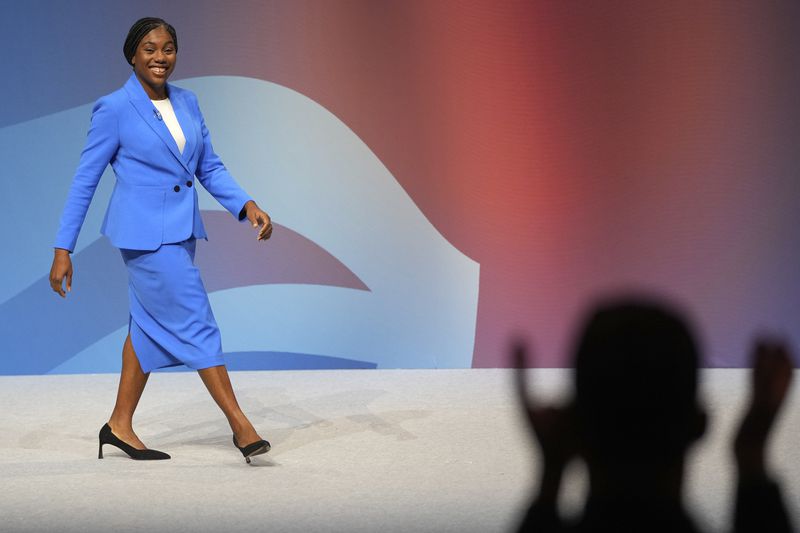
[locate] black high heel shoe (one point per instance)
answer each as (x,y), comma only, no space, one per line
(107,437)
(256,448)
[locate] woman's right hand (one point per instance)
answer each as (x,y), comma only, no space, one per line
(62,268)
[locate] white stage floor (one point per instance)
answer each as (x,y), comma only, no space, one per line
(353,451)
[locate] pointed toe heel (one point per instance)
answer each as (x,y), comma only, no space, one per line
(107,437)
(256,448)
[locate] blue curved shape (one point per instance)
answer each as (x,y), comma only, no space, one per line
(282,361)
(315,177)
(99,305)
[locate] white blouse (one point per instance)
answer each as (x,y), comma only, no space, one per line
(168,116)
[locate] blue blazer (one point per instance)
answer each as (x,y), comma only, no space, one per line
(154,199)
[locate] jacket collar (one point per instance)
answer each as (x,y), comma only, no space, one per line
(148,113)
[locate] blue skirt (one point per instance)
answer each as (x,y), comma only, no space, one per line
(171,322)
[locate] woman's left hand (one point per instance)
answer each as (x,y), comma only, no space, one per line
(257,217)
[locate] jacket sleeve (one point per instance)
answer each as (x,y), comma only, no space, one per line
(102,142)
(215,177)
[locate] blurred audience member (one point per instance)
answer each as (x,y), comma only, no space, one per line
(634,416)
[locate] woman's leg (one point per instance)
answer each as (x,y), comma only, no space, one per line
(219,385)
(131,384)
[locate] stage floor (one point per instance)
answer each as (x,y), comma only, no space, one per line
(353,451)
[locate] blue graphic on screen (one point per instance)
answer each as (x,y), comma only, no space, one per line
(354,276)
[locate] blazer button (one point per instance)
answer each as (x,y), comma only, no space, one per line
(188,183)
(176,188)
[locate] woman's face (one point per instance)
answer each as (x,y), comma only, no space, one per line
(155,58)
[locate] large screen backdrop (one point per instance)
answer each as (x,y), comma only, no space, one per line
(441,175)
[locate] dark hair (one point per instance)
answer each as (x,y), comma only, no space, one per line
(636,380)
(141,28)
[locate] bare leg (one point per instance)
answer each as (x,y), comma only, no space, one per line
(219,385)
(131,384)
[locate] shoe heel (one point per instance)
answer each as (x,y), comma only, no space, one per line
(108,437)
(255,448)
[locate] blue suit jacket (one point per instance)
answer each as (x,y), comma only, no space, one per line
(154,199)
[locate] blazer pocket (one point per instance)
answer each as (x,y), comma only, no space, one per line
(135,217)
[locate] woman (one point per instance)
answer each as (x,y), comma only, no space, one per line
(155,138)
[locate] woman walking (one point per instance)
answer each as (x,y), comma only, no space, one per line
(154,136)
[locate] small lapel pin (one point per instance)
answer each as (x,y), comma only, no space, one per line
(157,114)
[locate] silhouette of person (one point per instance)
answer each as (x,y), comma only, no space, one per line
(634,416)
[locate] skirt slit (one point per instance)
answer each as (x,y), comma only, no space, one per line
(170,322)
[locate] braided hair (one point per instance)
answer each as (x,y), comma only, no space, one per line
(141,28)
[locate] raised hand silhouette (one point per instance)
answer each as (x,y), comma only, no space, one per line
(554,431)
(759,507)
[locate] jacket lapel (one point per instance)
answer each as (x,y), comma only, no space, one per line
(187,125)
(147,111)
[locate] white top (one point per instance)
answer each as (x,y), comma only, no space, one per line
(168,116)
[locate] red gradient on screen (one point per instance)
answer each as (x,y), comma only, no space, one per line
(572,149)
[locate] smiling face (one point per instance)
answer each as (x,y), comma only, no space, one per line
(154,61)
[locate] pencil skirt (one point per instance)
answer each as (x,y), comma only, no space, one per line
(171,322)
